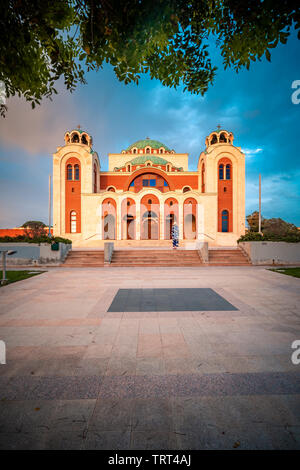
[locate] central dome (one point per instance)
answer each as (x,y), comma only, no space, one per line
(155,144)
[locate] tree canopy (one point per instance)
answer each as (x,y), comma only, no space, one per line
(33,224)
(274,226)
(34,229)
(41,42)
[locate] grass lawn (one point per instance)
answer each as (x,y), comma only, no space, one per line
(295,272)
(14,276)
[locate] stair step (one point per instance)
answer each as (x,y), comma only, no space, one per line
(156,258)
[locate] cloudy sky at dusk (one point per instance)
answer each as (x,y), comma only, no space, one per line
(255,105)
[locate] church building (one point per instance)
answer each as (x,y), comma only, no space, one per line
(147,188)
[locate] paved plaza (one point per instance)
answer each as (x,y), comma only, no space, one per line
(122,358)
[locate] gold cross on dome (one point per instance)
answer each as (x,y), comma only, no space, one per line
(79,126)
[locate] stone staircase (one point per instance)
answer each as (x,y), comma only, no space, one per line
(155,258)
(227,257)
(84,259)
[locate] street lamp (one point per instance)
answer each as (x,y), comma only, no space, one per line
(4,253)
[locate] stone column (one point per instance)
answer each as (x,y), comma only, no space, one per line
(180,219)
(161,220)
(119,219)
(100,224)
(138,220)
(200,221)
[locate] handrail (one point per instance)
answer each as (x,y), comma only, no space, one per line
(92,236)
(207,235)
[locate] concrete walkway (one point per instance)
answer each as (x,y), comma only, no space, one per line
(81,377)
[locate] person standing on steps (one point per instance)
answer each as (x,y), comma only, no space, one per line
(175,236)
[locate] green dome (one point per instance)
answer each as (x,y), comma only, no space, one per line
(141,144)
(146,158)
(220,130)
(81,131)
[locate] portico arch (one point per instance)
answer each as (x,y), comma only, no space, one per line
(150,217)
(190,218)
(128,219)
(109,219)
(170,215)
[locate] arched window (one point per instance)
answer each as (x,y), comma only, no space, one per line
(69,172)
(147,150)
(214,139)
(134,150)
(129,167)
(228,176)
(75,138)
(112,189)
(221,171)
(186,189)
(203,178)
(225,221)
(84,140)
(223,137)
(73,222)
(77,173)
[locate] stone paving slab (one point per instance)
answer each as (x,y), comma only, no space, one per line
(177,299)
(79,376)
(77,387)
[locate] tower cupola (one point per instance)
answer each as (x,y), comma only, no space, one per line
(78,136)
(221,136)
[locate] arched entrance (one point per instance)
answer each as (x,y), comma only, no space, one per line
(190,219)
(149,217)
(130,227)
(109,219)
(128,216)
(150,226)
(171,216)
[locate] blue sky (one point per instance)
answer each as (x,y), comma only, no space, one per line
(255,105)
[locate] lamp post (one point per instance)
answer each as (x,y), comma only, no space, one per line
(4,253)
(49,232)
(259,213)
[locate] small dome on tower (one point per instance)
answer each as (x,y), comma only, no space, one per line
(78,136)
(221,136)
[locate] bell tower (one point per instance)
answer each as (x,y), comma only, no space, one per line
(76,170)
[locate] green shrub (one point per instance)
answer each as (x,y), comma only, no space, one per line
(270,237)
(62,240)
(251,237)
(41,239)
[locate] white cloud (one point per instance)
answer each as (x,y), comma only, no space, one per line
(38,130)
(252,152)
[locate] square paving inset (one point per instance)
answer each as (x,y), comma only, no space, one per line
(169,300)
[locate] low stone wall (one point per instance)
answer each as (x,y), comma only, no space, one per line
(108,252)
(34,255)
(275,253)
(202,248)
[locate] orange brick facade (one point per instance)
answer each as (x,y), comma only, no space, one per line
(147,190)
